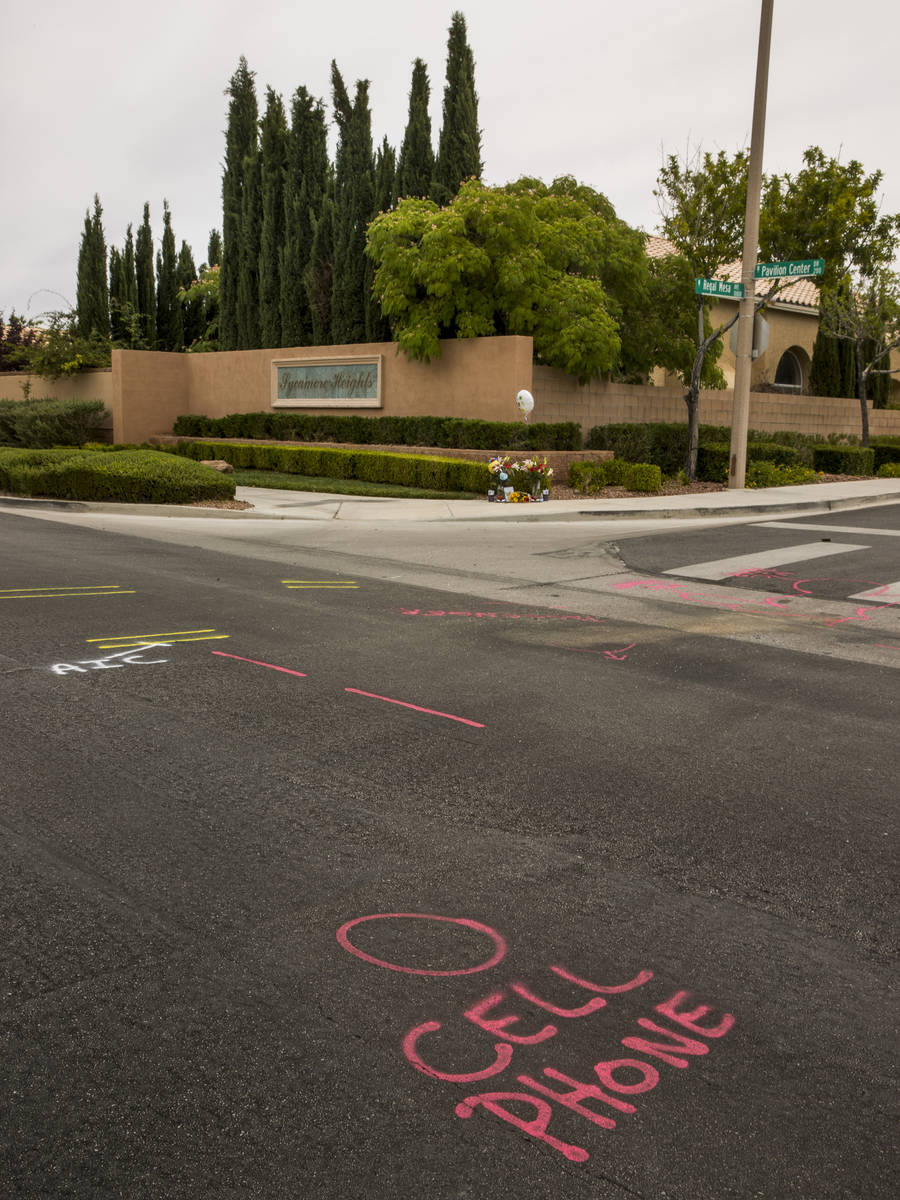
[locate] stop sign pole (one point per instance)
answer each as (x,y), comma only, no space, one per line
(740,415)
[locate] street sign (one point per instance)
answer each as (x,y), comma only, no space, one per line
(718,287)
(801,269)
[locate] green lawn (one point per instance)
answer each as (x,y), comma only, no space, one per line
(342,487)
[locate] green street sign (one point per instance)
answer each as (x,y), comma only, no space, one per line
(718,287)
(801,269)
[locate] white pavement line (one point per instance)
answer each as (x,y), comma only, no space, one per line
(827,528)
(887,593)
(723,568)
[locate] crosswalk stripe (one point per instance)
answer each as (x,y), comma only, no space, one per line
(827,528)
(887,593)
(723,568)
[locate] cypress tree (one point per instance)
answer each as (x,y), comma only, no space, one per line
(240,149)
(378,328)
(116,323)
(129,278)
(320,273)
(415,167)
(825,367)
(354,202)
(459,148)
(92,289)
(214,249)
(248,274)
(192,311)
(304,191)
(169,326)
(273,167)
(145,282)
(847,360)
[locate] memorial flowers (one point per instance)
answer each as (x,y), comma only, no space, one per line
(527,479)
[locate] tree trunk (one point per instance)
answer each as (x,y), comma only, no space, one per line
(861,389)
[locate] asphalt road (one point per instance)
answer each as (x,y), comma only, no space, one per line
(620,802)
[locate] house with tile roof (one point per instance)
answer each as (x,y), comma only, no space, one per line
(793,320)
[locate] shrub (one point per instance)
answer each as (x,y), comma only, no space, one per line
(590,477)
(450,432)
(40,424)
(765,473)
(889,470)
(135,476)
(407,470)
(886,450)
(844,460)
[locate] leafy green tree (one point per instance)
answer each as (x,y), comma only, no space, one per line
(865,313)
(145,281)
(240,155)
(202,296)
(169,317)
(92,294)
(459,146)
(61,350)
(702,200)
(214,249)
(354,206)
(273,168)
(551,262)
(415,166)
(828,210)
(304,190)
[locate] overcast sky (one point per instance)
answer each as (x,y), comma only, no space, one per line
(127,101)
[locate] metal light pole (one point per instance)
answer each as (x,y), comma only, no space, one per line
(740,415)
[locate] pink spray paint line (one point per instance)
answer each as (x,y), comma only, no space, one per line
(466,922)
(416,707)
(257,663)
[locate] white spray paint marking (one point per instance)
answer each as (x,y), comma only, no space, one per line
(131,656)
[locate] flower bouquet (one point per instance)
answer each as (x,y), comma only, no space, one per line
(520,481)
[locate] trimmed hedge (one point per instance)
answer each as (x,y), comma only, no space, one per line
(406,470)
(763,474)
(889,470)
(886,450)
(590,477)
(132,476)
(40,424)
(844,460)
(713,457)
(449,432)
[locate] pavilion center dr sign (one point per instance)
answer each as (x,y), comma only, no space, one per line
(327,382)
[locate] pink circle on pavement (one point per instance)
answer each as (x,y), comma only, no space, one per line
(499,943)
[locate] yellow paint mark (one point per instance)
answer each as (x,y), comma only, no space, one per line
(324,582)
(72,587)
(309,587)
(216,637)
(130,637)
(58,595)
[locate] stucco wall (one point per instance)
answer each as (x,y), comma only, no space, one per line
(559,398)
(87,385)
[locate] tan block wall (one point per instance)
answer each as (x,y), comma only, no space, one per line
(476,378)
(87,385)
(559,398)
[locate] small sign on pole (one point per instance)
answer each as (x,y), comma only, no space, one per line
(718,287)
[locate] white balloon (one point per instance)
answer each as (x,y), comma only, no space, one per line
(525,401)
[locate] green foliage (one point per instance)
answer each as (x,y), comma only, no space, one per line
(702,202)
(354,207)
(306,180)
(889,470)
(145,282)
(201,298)
(214,249)
(665,444)
(713,457)
(133,476)
(46,422)
(885,450)
(591,477)
(92,289)
(60,350)
(169,313)
(459,146)
(449,432)
(248,331)
(825,378)
(551,262)
(406,470)
(764,473)
(273,168)
(240,150)
(415,167)
(16,338)
(844,460)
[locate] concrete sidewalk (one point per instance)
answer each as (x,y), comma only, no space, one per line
(273,504)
